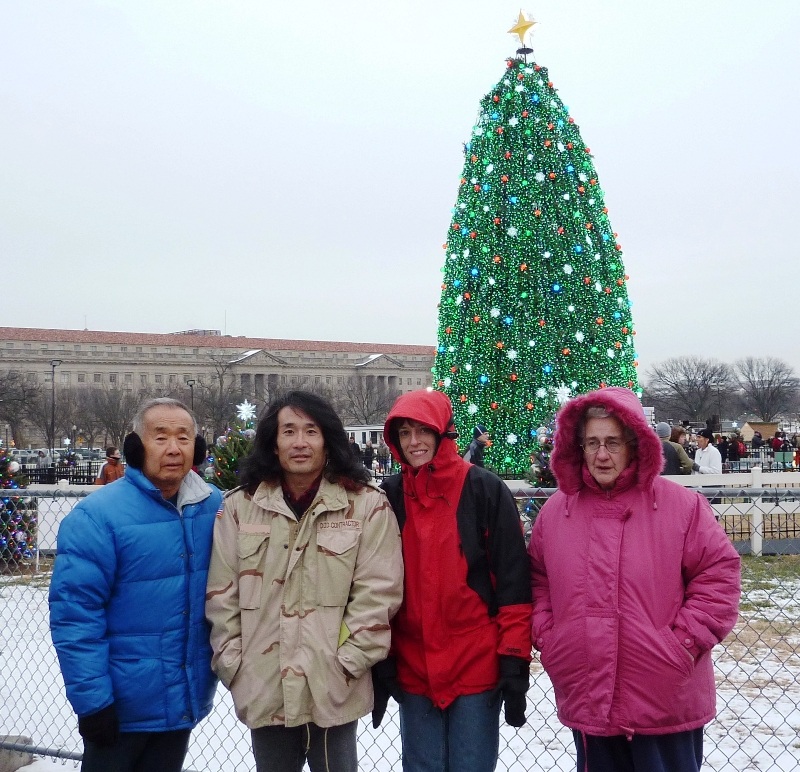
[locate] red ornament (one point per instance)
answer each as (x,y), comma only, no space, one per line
(552,175)
(569,145)
(463,398)
(542,323)
(537,212)
(497,259)
(497,221)
(581,189)
(499,344)
(524,267)
(495,98)
(476,188)
(448,330)
(587,279)
(529,405)
(500,129)
(565,352)
(473,235)
(494,406)
(547,143)
(476,319)
(453,369)
(504,178)
(473,158)
(599,320)
(524,113)
(513,376)
(467,296)
(507,154)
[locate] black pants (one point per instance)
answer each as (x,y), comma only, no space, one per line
(139,752)
(286,749)
(676,752)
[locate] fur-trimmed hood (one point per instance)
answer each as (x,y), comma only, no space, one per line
(568,460)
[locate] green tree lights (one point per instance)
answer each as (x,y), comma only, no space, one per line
(534,307)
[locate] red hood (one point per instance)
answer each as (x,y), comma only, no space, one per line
(567,459)
(432,408)
(444,477)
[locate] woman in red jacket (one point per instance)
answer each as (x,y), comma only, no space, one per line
(634,582)
(461,640)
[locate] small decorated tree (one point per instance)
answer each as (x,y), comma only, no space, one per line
(17,520)
(231,447)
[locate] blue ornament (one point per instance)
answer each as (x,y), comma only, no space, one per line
(606,237)
(577,249)
(474,271)
(464,231)
(535,98)
(457,282)
(617,315)
(548,369)
(556,287)
(513,199)
(507,320)
(441,349)
(484,379)
(486,187)
(495,116)
(570,168)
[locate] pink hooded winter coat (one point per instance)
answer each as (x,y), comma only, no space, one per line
(632,587)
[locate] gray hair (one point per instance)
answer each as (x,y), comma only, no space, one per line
(138,419)
(598,411)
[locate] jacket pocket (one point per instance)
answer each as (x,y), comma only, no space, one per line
(136,666)
(252,551)
(337,549)
(563,656)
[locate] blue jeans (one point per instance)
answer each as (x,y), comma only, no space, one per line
(464,737)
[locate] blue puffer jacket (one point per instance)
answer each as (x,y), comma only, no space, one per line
(127,603)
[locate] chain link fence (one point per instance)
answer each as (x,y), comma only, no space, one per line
(757,666)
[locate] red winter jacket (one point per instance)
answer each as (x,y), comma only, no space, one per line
(632,587)
(467,583)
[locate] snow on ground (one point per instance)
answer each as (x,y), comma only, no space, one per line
(758,676)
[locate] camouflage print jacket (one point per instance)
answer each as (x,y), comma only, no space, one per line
(300,611)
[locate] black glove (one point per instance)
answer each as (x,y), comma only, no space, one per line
(101,728)
(384,684)
(515,676)
(695,466)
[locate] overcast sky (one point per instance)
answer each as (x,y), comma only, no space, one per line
(287,169)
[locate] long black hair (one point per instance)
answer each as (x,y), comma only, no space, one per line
(262,464)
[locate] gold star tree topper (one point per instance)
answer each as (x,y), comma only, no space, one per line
(522,27)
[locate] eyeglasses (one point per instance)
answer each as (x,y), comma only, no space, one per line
(612,446)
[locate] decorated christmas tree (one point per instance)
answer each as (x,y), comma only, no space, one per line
(534,307)
(17,520)
(231,447)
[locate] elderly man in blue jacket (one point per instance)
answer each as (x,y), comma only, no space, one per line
(127,600)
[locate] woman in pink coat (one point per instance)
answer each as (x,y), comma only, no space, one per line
(634,582)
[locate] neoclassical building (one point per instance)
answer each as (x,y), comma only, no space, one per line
(136,362)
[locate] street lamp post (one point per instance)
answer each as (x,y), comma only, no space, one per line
(190,384)
(53,364)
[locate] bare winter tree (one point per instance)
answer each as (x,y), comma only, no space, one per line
(690,388)
(114,409)
(16,394)
(364,400)
(768,386)
(216,394)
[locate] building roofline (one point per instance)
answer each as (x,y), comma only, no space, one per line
(34,334)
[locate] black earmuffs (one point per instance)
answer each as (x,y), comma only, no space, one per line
(133,450)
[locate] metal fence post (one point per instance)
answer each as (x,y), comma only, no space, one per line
(757,517)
